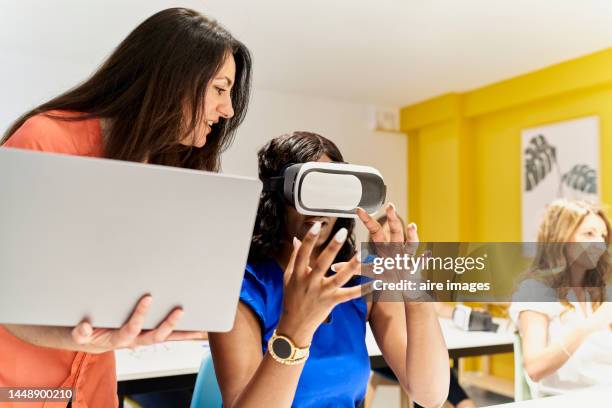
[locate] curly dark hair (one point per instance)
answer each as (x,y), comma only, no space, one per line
(296,147)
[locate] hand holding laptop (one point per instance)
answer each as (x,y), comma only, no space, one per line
(131,335)
(84,337)
(88,237)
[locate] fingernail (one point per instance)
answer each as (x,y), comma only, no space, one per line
(392,206)
(413,226)
(316,228)
(147,300)
(295,242)
(340,236)
(333,267)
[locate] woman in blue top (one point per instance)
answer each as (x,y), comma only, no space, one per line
(320,358)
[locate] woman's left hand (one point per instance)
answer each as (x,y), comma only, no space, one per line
(397,233)
(399,243)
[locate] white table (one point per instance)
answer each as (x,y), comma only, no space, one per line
(467,344)
(461,343)
(161,360)
(162,367)
(590,397)
(174,365)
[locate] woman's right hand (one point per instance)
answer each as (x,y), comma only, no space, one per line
(131,334)
(309,296)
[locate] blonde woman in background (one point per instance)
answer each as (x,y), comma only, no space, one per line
(566,335)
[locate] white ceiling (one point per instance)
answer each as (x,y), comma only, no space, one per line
(384,52)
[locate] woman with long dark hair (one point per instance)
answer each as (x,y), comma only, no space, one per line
(299,335)
(172,93)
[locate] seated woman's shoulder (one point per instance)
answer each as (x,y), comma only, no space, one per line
(537,296)
(530,290)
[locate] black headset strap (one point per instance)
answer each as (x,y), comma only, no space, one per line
(276,183)
(273,184)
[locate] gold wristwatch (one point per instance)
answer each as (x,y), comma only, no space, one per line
(284,350)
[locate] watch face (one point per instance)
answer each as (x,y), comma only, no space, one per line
(281,348)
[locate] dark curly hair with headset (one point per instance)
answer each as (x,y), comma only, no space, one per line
(296,147)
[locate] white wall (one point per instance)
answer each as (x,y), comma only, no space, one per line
(270,114)
(347,124)
(31,72)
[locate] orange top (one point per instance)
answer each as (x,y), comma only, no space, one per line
(92,376)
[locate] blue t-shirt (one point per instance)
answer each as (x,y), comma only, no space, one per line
(337,371)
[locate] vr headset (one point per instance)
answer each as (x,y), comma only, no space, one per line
(329,189)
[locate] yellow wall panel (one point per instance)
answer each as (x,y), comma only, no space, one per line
(464,150)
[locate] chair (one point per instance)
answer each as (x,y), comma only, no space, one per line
(206,393)
(522,389)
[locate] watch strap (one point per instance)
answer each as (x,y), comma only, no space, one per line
(297,355)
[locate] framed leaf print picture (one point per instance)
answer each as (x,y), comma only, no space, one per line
(559,160)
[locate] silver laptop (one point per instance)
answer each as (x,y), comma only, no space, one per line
(87,237)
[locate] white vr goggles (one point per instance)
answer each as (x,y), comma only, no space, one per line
(330,189)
